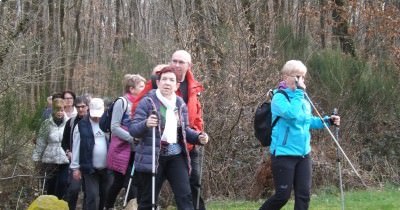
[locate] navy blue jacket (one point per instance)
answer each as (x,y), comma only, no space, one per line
(138,129)
(86,146)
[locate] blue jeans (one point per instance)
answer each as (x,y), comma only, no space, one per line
(74,187)
(288,172)
(96,186)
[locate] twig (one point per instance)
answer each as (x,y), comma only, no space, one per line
(15,168)
(19,197)
(21,175)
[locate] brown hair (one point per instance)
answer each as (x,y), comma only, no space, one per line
(167,69)
(132,80)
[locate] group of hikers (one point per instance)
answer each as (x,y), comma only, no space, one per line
(156,133)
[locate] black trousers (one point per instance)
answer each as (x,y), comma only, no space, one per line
(119,181)
(56,179)
(175,170)
(290,172)
(195,157)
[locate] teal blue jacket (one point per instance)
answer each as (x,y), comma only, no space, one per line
(291,135)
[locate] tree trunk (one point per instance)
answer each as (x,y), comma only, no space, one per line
(368,38)
(322,9)
(75,54)
(301,19)
(251,26)
(176,22)
(265,29)
(340,29)
(203,42)
(63,53)
(49,50)
(117,41)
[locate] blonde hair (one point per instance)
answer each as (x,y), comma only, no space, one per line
(132,80)
(57,104)
(293,66)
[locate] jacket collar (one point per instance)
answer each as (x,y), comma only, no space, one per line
(193,84)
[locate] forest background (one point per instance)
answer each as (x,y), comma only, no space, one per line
(351,49)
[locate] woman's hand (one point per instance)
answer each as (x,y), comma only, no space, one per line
(152,121)
(69,154)
(300,82)
(335,120)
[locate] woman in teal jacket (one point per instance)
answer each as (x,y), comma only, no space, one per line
(290,147)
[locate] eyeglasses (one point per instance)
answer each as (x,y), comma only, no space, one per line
(178,61)
(80,107)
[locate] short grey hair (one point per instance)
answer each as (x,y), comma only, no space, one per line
(82,99)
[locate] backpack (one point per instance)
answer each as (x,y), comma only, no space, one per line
(105,120)
(263,119)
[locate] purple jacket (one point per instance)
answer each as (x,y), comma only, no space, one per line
(138,129)
(119,153)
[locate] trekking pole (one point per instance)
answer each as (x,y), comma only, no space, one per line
(335,112)
(334,139)
(153,167)
(129,184)
(201,176)
(44,182)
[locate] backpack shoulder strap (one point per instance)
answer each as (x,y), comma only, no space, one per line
(287,97)
(284,93)
(124,103)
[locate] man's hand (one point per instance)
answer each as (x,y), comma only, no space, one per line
(76,174)
(203,138)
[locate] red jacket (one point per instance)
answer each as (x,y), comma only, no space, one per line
(194,107)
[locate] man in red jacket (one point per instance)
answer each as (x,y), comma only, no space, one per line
(189,90)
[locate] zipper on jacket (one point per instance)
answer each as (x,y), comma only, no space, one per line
(286,136)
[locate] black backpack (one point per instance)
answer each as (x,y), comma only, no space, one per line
(105,120)
(263,120)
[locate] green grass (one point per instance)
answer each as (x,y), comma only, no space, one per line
(373,199)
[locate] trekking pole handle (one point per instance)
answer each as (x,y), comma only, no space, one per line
(335,111)
(154,112)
